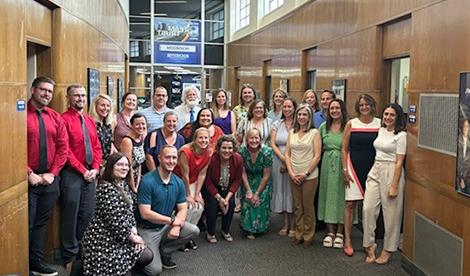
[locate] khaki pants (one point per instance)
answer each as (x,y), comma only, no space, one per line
(376,196)
(304,211)
(194,212)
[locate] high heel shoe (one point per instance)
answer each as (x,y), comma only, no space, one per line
(381,260)
(370,251)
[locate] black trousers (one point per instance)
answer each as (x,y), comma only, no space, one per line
(77,203)
(41,202)
(212,208)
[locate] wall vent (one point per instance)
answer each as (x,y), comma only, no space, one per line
(438,120)
(436,250)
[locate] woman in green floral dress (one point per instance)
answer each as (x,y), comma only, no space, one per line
(256,179)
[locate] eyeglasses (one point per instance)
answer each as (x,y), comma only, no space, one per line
(42,89)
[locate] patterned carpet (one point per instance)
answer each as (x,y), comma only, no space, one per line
(271,254)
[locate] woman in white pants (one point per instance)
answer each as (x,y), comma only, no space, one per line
(385,185)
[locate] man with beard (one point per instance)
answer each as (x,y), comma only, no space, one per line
(47,153)
(188,110)
(320,116)
(155,113)
(77,187)
(159,193)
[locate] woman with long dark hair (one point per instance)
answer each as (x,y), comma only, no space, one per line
(223,116)
(385,185)
(282,201)
(111,244)
(331,192)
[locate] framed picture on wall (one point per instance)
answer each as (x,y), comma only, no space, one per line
(339,88)
(462,184)
(284,85)
(109,86)
(120,89)
(93,82)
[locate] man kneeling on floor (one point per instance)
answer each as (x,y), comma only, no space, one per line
(163,232)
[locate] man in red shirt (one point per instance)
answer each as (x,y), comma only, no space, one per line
(47,153)
(78,185)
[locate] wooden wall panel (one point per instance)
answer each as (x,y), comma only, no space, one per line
(38,23)
(14,237)
(397,38)
(81,34)
(353,39)
(440,47)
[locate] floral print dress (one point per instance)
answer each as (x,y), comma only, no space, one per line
(256,219)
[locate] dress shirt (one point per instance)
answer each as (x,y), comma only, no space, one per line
(318,118)
(213,173)
(76,155)
(56,139)
(183,114)
(154,117)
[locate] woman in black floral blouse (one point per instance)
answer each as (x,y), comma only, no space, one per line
(111,245)
(101,110)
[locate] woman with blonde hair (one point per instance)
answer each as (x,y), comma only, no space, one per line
(223,116)
(101,110)
(303,151)
(256,179)
(277,99)
(193,160)
(310,98)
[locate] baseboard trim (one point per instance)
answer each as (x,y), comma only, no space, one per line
(410,267)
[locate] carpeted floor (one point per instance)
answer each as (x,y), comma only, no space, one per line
(271,254)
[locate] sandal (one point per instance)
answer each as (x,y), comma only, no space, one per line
(381,260)
(338,242)
(291,234)
(370,253)
(237,209)
(227,237)
(328,240)
(282,232)
(250,237)
(211,239)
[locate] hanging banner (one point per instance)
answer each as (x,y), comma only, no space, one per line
(177,53)
(177,41)
(177,30)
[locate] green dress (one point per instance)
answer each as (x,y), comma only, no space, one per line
(331,200)
(256,219)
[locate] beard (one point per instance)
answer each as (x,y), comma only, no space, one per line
(191,104)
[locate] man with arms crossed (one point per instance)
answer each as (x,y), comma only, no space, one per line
(78,187)
(159,192)
(47,153)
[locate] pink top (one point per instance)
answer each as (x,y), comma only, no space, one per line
(123,127)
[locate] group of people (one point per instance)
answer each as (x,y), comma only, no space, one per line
(163,172)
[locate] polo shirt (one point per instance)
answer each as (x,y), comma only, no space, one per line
(154,117)
(161,197)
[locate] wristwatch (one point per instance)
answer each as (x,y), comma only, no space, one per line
(307,173)
(172,219)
